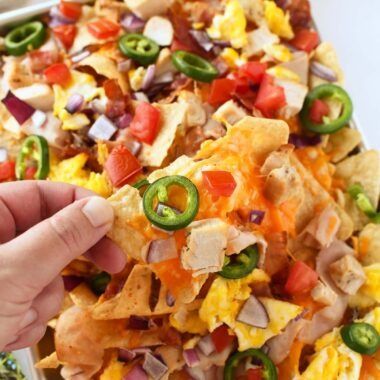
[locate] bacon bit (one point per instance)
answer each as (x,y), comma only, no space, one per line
(155,287)
(276,258)
(300,13)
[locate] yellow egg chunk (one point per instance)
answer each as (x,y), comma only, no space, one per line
(114,371)
(188,322)
(277,20)
(230,26)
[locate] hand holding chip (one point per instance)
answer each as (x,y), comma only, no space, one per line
(43,227)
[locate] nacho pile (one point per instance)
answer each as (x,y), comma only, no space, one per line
(244,202)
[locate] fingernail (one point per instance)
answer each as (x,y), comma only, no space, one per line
(98,211)
(29,318)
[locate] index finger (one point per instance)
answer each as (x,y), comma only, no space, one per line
(24,204)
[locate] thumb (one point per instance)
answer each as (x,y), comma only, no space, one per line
(45,249)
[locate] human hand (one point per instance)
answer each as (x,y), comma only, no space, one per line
(43,227)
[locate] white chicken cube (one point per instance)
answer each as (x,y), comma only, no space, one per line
(348,274)
(160,30)
(323,294)
(229,113)
(196,113)
(148,8)
(299,65)
(259,39)
(38,95)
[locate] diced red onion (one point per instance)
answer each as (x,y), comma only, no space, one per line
(98,105)
(126,355)
(38,119)
(142,350)
(102,129)
(132,23)
(253,313)
(71,282)
(221,66)
(124,121)
(54,22)
(140,96)
(138,323)
(170,300)
(3,155)
(162,206)
(162,250)
(191,357)
(149,77)
(133,146)
(256,216)
(124,66)
(155,368)
(167,77)
(222,44)
(206,345)
(202,39)
(301,141)
(137,373)
(323,71)
(79,56)
(20,110)
(196,373)
(74,103)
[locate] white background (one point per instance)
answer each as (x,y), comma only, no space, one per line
(353,26)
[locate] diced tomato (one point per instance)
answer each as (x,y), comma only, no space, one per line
(221,91)
(145,124)
(221,338)
(254,374)
(306,40)
(7,171)
(40,60)
(71,10)
(30,172)
(219,183)
(301,279)
(270,97)
(318,110)
(66,34)
(103,28)
(254,71)
(121,165)
(58,73)
(113,90)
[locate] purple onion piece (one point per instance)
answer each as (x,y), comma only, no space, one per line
(162,250)
(124,121)
(132,23)
(102,129)
(38,119)
(196,373)
(301,141)
(165,78)
(74,103)
(323,71)
(133,146)
(98,106)
(20,110)
(140,96)
(56,14)
(3,154)
(170,300)
(149,77)
(202,39)
(206,345)
(191,357)
(79,56)
(253,313)
(154,367)
(71,282)
(138,323)
(137,373)
(222,44)
(161,207)
(125,355)
(256,216)
(124,66)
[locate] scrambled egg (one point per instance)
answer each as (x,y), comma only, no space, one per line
(279,52)
(225,299)
(284,73)
(72,171)
(333,359)
(136,78)
(114,371)
(369,294)
(82,84)
(232,57)
(230,26)
(277,20)
(188,321)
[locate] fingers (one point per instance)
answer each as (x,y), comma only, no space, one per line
(24,204)
(107,256)
(45,249)
(27,339)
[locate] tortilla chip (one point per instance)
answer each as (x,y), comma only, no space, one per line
(50,361)
(82,296)
(172,116)
(107,67)
(341,143)
(133,298)
(369,244)
(363,168)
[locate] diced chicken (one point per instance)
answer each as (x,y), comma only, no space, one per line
(38,95)
(322,230)
(282,184)
(164,63)
(259,39)
(254,10)
(348,274)
(213,129)
(51,130)
(322,293)
(160,30)
(206,245)
(196,113)
(148,8)
(298,65)
(295,94)
(16,75)
(277,159)
(229,113)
